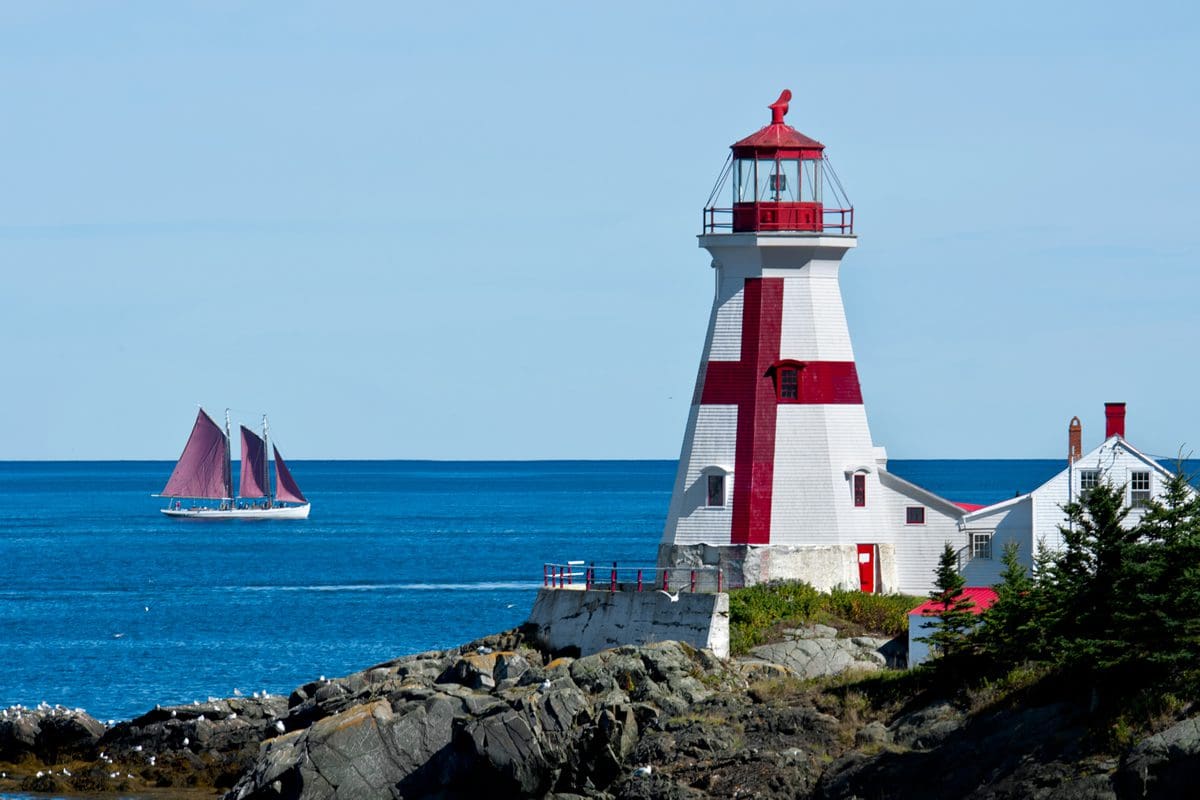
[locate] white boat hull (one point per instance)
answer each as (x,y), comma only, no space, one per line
(281,512)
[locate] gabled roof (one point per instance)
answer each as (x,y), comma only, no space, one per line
(930,499)
(994,507)
(984,597)
(1138,454)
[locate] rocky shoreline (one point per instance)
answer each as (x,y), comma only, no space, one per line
(500,717)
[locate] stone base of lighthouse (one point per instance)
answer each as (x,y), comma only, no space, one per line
(824,566)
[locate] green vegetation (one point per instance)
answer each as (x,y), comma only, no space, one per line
(757,613)
(1114,618)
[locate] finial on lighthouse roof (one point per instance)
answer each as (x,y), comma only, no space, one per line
(779,108)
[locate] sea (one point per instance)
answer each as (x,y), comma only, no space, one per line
(107,605)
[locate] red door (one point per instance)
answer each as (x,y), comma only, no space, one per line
(866,568)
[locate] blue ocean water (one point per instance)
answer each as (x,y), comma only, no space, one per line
(108,605)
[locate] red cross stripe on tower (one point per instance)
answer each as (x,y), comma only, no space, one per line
(749,384)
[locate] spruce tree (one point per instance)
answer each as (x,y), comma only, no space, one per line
(1089,587)
(950,636)
(1164,582)
(1010,633)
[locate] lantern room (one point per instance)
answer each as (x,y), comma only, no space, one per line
(779,178)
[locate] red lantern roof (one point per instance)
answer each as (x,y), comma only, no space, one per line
(778,140)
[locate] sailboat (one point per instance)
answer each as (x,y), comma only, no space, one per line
(205,472)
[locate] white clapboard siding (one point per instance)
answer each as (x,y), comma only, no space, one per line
(1007,522)
(814,324)
(919,547)
(712,444)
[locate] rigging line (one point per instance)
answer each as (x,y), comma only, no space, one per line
(721,178)
(844,198)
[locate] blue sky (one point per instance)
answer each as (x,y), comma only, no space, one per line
(467,231)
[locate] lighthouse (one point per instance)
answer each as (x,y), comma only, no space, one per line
(778,476)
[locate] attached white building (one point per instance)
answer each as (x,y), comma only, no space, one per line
(1033,520)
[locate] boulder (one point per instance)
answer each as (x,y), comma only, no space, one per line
(816,652)
(1165,765)
(49,734)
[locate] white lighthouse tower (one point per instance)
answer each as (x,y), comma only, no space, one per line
(778,477)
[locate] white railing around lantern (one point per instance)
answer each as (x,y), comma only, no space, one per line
(589,577)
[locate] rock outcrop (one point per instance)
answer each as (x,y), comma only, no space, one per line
(492,718)
(817,652)
(47,734)
(501,718)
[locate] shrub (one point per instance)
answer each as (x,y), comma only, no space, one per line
(756,611)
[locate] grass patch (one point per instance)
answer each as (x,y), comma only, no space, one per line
(756,613)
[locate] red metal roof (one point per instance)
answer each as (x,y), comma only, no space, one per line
(778,136)
(982,596)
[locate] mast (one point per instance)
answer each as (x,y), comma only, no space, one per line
(228,460)
(267,463)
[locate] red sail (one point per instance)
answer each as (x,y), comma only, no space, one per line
(254,465)
(203,469)
(285,487)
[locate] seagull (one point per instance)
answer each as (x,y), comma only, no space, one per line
(137,748)
(237,692)
(545,687)
(174,713)
(674,598)
(233,715)
(145,608)
(483,651)
(510,605)
(118,636)
(643,772)
(186,741)
(279,726)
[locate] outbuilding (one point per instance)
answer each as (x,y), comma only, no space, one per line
(924,617)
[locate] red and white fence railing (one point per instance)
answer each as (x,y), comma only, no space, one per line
(589,577)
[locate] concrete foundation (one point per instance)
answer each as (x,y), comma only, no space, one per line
(824,566)
(597,620)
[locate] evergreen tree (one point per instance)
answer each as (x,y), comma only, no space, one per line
(1010,633)
(1164,582)
(1089,584)
(950,637)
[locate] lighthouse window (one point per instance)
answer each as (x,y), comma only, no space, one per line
(716,490)
(914,515)
(860,490)
(1139,489)
(789,384)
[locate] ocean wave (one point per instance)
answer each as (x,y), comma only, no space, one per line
(481,586)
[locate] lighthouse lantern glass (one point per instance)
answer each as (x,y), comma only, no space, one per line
(776,180)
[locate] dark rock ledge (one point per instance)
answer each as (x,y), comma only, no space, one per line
(500,718)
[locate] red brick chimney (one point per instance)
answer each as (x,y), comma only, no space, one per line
(1114,420)
(1074,440)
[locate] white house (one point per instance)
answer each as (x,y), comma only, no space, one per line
(1033,519)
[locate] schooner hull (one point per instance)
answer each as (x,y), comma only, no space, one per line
(289,512)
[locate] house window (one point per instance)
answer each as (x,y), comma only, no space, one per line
(981,545)
(1139,489)
(1088,479)
(860,490)
(914,515)
(716,490)
(789,383)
